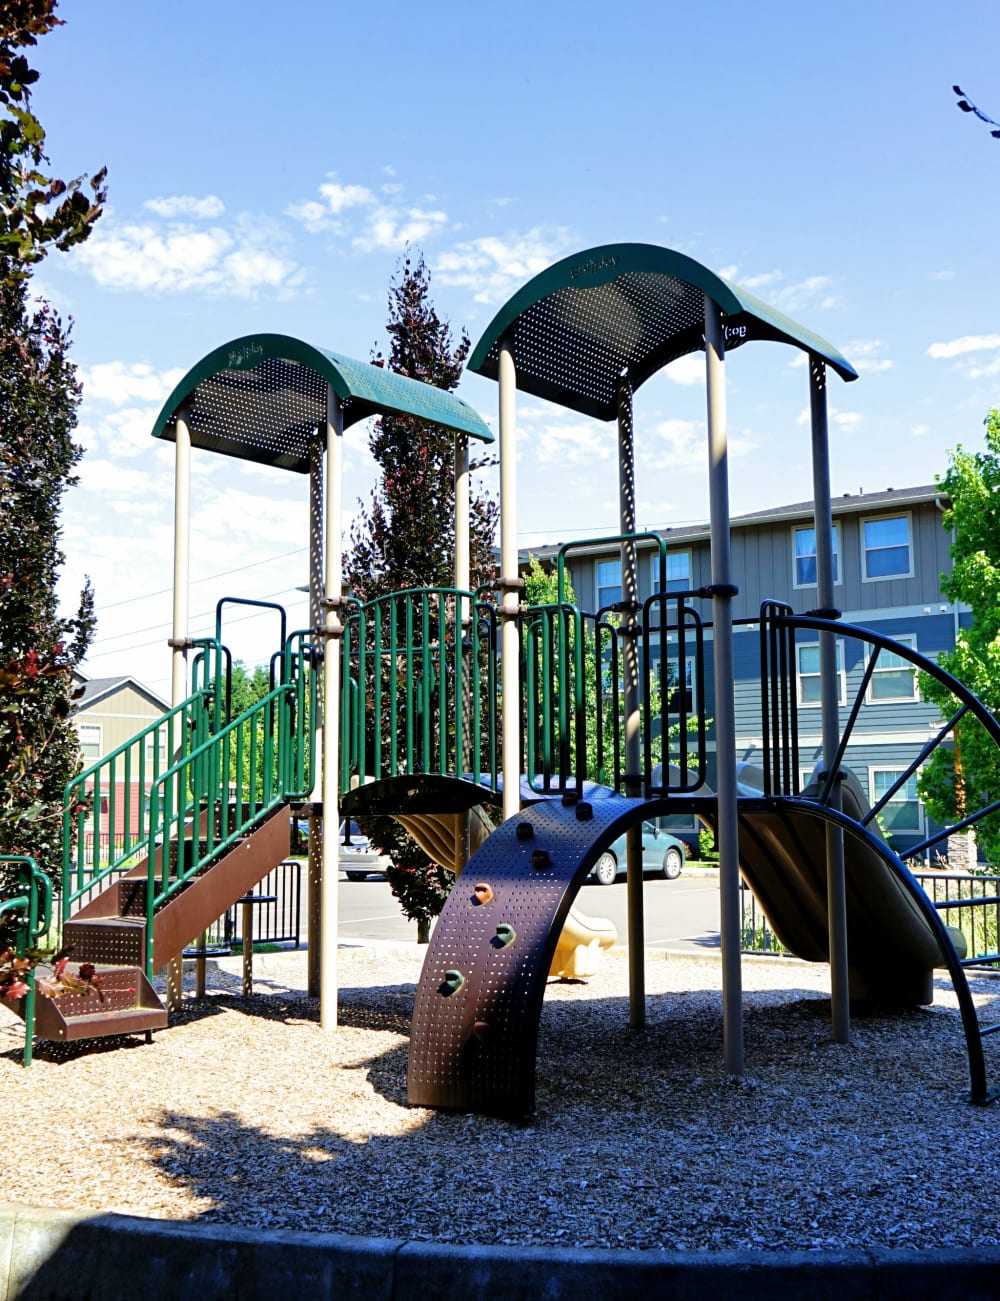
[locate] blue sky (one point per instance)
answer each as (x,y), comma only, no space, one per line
(267,166)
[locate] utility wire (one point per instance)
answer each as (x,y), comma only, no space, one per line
(223,574)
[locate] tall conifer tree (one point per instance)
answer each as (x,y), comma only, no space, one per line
(39,396)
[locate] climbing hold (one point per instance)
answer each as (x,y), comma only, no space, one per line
(540,859)
(480,1029)
(482,892)
(584,811)
(525,831)
(506,934)
(452,983)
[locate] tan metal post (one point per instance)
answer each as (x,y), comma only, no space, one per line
(331,712)
(179,634)
(836,885)
(509,643)
(725,705)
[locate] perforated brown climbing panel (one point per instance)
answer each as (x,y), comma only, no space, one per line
(479,1001)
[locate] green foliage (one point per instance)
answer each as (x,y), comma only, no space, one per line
(39,396)
(960,780)
(37,212)
(405,536)
(707,851)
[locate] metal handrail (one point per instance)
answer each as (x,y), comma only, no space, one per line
(32,927)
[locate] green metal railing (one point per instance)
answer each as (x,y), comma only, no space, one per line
(34,904)
(419,689)
(110,795)
(232,782)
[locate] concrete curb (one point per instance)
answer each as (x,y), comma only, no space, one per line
(66,1256)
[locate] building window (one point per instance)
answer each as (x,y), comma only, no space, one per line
(886,548)
(904,812)
(609,583)
(809,674)
(678,571)
(894,678)
(90,742)
(804,547)
(154,750)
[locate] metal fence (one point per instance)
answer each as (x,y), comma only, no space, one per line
(969,903)
(277,911)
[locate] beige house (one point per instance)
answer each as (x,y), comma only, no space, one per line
(108,714)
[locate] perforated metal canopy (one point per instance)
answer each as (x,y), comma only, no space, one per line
(576,327)
(262,396)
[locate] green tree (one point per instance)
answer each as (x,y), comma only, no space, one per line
(39,396)
(964,778)
(405,536)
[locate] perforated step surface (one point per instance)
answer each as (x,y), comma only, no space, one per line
(129,1005)
(479,1001)
(114,941)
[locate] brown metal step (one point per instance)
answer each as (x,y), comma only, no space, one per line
(113,941)
(130,1005)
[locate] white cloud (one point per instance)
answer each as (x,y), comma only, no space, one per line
(393,228)
(186,205)
(846,420)
(492,266)
(942,275)
(863,355)
(967,343)
(110,478)
(118,382)
(178,257)
(758,282)
(918,431)
(985,371)
(687,370)
(675,444)
(335,199)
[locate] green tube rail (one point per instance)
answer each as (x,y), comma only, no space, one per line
(34,903)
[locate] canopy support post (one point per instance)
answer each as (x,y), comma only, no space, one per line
(179,635)
(333,631)
(509,641)
(629,632)
(725,706)
(315,860)
(836,884)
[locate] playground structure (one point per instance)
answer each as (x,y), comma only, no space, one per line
(434,700)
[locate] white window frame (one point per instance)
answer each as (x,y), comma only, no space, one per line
(90,727)
(895,771)
(656,572)
(907,640)
(881,519)
(599,586)
(838,573)
(799,675)
(149,748)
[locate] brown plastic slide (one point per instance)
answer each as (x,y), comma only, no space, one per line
(892,949)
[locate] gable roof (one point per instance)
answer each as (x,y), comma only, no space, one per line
(96,689)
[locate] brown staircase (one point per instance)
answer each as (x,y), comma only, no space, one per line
(109,930)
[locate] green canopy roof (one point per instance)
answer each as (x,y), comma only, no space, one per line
(578,326)
(262,397)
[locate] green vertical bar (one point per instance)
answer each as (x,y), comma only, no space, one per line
(393,697)
(376,673)
(442,686)
(459,685)
(426,682)
(410,690)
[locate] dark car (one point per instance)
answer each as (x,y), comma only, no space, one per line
(662,853)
